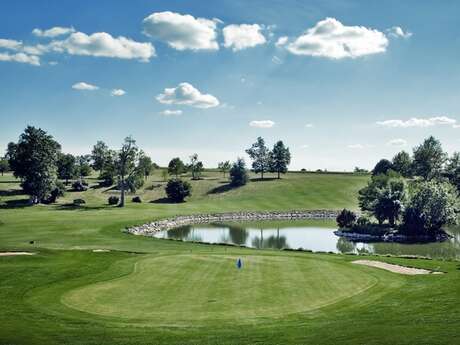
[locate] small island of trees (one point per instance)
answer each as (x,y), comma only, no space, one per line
(407,198)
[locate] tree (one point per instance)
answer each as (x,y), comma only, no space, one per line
(99,155)
(177,190)
(196,167)
(66,168)
(127,165)
(452,170)
(33,160)
(432,205)
(176,167)
(346,219)
(83,166)
(382,167)
(260,156)
(108,171)
(429,159)
(4,166)
(145,165)
(280,158)
(402,163)
(238,173)
(224,167)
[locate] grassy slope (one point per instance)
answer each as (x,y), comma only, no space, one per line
(36,291)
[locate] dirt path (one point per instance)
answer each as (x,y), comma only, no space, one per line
(395,268)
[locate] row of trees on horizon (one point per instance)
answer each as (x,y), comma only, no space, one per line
(37,159)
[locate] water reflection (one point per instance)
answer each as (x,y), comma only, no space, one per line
(301,234)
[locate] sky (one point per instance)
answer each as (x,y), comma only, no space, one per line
(342,83)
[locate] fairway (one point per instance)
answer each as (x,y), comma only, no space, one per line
(185,289)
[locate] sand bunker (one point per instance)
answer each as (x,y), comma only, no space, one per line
(395,268)
(15,253)
(100,250)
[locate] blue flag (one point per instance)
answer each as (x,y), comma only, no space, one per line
(239,263)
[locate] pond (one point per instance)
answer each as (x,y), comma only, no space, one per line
(314,235)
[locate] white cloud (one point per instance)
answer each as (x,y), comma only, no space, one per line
(182,32)
(330,38)
(309,125)
(169,112)
(21,58)
(397,31)
(356,146)
(262,123)
(186,94)
(276,60)
(53,32)
(10,44)
(118,92)
(418,122)
(281,41)
(239,37)
(397,142)
(102,44)
(84,86)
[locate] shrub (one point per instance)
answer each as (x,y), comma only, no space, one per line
(363,221)
(136,199)
(56,192)
(346,218)
(79,186)
(113,200)
(238,174)
(107,178)
(78,202)
(177,190)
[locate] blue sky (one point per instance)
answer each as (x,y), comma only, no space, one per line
(342,83)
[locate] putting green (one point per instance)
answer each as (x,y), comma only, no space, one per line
(184,289)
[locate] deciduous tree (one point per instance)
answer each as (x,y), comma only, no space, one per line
(280,158)
(260,156)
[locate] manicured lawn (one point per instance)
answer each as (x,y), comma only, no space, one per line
(150,291)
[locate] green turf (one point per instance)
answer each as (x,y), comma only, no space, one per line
(150,291)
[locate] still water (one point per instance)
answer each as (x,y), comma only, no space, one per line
(308,235)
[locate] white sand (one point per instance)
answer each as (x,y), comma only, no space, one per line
(15,253)
(395,268)
(100,250)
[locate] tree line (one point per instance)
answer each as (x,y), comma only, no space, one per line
(38,161)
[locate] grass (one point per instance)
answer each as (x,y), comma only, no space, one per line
(149,291)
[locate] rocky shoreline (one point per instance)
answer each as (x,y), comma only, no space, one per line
(390,237)
(149,229)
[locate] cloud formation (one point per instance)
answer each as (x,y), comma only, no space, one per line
(187,94)
(239,37)
(102,44)
(397,31)
(397,142)
(118,92)
(169,112)
(20,57)
(418,122)
(182,32)
(53,32)
(262,123)
(82,86)
(331,39)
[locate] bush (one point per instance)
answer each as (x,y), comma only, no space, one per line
(79,186)
(363,221)
(346,218)
(177,190)
(238,174)
(107,179)
(136,199)
(78,202)
(58,191)
(113,200)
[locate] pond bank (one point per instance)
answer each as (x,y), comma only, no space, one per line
(391,237)
(150,229)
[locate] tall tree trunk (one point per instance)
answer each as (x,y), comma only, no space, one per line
(122,199)
(262,174)
(279,175)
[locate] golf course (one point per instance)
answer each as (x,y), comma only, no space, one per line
(88,282)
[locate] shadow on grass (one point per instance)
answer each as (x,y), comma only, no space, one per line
(222,189)
(11,192)
(9,181)
(265,179)
(20,203)
(73,207)
(164,201)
